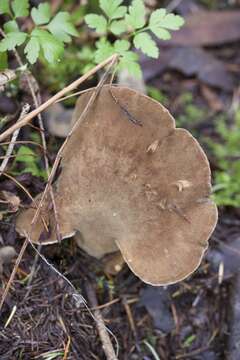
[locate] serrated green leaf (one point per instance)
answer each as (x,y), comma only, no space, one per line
(118,27)
(32,50)
(12,40)
(97,22)
(146,44)
(52,48)
(161,33)
(4,7)
(119,12)
(121,46)
(104,50)
(112,8)
(62,28)
(20,8)
(42,14)
(136,17)
(11,26)
(3,61)
(129,62)
(160,22)
(172,22)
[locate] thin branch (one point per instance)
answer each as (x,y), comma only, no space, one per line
(22,142)
(103,333)
(57,96)
(3,166)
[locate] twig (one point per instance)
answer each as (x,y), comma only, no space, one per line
(19,258)
(104,336)
(130,317)
(19,185)
(23,142)
(57,96)
(86,90)
(75,94)
(3,166)
(109,303)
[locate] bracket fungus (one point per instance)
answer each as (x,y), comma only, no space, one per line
(143,190)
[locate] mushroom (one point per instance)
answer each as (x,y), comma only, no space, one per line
(143,190)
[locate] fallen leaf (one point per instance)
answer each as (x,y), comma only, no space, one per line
(157,302)
(11,199)
(207,28)
(192,61)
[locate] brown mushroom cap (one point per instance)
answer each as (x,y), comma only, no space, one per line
(142,189)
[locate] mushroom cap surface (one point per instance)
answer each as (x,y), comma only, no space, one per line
(141,189)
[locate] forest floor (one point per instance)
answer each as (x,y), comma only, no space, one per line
(197,79)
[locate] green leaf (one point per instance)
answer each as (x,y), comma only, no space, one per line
(118,27)
(129,62)
(25,154)
(62,28)
(3,61)
(20,8)
(104,50)
(51,47)
(112,8)
(144,42)
(4,7)
(136,16)
(11,26)
(12,40)
(42,14)
(97,22)
(160,22)
(86,54)
(121,46)
(32,50)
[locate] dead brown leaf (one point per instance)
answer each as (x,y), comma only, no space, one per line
(208,28)
(12,200)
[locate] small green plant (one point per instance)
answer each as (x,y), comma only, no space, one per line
(227,153)
(30,162)
(46,39)
(157,95)
(130,27)
(192,114)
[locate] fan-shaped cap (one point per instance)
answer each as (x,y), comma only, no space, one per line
(141,189)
